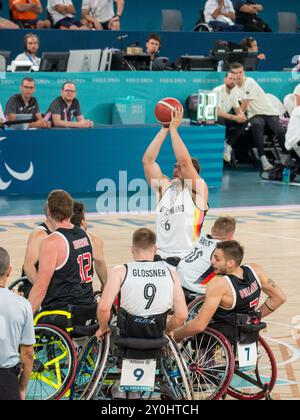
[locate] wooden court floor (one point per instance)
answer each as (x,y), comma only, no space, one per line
(271,237)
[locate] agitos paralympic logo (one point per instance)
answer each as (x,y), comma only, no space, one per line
(19,176)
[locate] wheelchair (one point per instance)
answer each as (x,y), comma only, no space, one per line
(149,368)
(67,354)
(247,382)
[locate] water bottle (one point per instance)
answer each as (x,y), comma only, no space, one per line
(286,176)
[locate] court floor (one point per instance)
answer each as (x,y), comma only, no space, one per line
(271,236)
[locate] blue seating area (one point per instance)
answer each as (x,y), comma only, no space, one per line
(150,13)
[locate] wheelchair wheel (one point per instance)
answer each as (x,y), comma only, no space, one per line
(194,307)
(210,361)
(21,287)
(96,387)
(177,374)
(54,365)
(89,369)
(256,384)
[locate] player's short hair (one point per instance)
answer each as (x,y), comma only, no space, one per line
(4,261)
(78,213)
(224,226)
(232,251)
(60,205)
(196,164)
(144,239)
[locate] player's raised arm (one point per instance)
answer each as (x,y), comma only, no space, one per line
(186,165)
(152,169)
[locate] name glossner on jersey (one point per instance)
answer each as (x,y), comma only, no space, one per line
(149,273)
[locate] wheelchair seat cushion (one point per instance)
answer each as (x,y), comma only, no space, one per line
(141,343)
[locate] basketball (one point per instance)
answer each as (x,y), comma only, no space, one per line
(164,109)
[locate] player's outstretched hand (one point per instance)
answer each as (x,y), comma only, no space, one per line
(176,119)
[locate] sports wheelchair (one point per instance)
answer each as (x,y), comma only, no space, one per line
(236,362)
(67,354)
(148,368)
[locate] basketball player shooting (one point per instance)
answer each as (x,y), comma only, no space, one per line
(182,202)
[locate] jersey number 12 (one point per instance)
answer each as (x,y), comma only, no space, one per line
(85,265)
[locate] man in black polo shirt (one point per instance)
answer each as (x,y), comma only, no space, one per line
(25,103)
(65,111)
(247,14)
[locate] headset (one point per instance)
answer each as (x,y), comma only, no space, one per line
(26,37)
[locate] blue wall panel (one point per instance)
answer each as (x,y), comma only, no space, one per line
(76,160)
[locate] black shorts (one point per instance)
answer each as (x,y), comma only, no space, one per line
(68,22)
(105,25)
(25,23)
(9,384)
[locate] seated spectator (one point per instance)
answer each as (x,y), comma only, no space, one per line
(62,13)
(247,15)
(5,23)
(25,14)
(220,14)
(260,111)
(31,47)
(153,45)
(235,122)
(65,111)
(100,14)
(292,142)
(25,103)
(252,46)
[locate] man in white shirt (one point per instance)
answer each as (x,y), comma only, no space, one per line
(63,15)
(17,338)
(31,47)
(100,14)
(260,111)
(220,14)
(292,141)
(228,101)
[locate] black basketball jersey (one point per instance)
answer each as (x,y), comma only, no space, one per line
(45,228)
(72,283)
(246,293)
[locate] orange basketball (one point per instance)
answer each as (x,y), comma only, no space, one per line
(164,109)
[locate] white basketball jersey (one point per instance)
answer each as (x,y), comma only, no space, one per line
(195,270)
(147,289)
(178,222)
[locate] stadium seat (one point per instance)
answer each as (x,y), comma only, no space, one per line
(288,22)
(171,20)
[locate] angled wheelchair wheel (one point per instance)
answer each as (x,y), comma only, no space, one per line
(176,378)
(21,287)
(210,362)
(55,364)
(96,385)
(90,367)
(194,307)
(258,383)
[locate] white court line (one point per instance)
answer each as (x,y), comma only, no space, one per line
(295,352)
(147,213)
(269,235)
